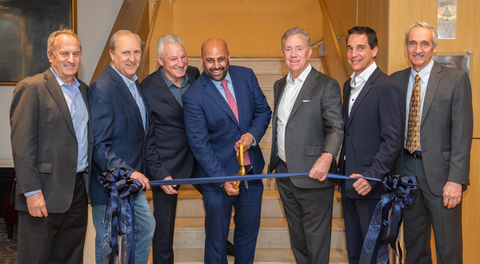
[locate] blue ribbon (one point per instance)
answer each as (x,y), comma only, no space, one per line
(248,177)
(119,214)
(396,191)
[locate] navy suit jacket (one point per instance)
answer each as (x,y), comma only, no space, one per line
(118,131)
(212,128)
(168,150)
(374,132)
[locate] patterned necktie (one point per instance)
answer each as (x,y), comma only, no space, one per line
(413,134)
(233,106)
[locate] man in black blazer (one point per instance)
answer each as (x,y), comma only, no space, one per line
(307,130)
(374,116)
(52,148)
(167,141)
(441,159)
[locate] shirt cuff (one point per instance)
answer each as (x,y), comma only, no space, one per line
(254,140)
(31,193)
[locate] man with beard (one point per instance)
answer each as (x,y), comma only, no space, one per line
(120,125)
(224,108)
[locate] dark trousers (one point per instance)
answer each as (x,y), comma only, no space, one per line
(165,209)
(426,212)
(309,217)
(218,209)
(357,214)
(57,238)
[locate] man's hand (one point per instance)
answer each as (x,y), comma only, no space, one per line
(169,189)
(229,188)
(36,205)
(247,140)
(140,177)
(361,185)
(320,169)
(452,194)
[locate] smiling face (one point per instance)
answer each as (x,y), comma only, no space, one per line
(359,54)
(174,62)
(215,58)
(127,54)
(296,54)
(420,47)
(65,57)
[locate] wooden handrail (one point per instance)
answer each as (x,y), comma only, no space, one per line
(146,48)
(326,14)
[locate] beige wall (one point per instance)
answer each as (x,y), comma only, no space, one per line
(251,28)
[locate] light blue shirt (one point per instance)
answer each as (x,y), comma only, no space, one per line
(79,114)
(132,87)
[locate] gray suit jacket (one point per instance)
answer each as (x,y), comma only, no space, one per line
(315,126)
(446,128)
(44,144)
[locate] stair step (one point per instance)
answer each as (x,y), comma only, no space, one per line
(262,256)
(190,233)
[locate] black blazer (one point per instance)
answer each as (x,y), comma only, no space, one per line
(168,152)
(374,132)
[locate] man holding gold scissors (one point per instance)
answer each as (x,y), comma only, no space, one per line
(223,108)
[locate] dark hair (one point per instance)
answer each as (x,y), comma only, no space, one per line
(369,32)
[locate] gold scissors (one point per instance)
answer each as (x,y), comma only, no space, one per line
(241,171)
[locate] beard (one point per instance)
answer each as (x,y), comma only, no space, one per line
(216,77)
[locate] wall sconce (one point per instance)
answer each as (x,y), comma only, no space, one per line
(447,19)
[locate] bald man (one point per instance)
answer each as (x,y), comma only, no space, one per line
(223,108)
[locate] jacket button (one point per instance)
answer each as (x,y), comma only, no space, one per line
(74,167)
(348,134)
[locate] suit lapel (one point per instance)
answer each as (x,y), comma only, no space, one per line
(217,97)
(278,95)
(433,81)
(164,91)
(366,88)
(56,91)
(346,102)
(123,89)
(307,87)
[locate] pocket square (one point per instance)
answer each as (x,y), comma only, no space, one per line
(306,101)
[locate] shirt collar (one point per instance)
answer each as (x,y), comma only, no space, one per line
(364,75)
(170,83)
(218,83)
(76,84)
(302,77)
(423,73)
(127,81)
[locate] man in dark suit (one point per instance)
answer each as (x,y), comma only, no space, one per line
(52,146)
(168,144)
(307,131)
(120,125)
(438,152)
(374,116)
(223,108)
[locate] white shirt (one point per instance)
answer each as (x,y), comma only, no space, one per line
(289,96)
(357,83)
(424,77)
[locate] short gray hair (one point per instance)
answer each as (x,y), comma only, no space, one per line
(113,39)
(294,31)
(55,34)
(426,26)
(168,38)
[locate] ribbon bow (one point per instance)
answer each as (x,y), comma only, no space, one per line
(119,213)
(396,191)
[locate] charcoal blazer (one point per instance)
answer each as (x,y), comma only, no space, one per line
(446,128)
(168,153)
(315,126)
(44,144)
(374,132)
(118,129)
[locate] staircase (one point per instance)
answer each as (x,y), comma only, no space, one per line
(273,243)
